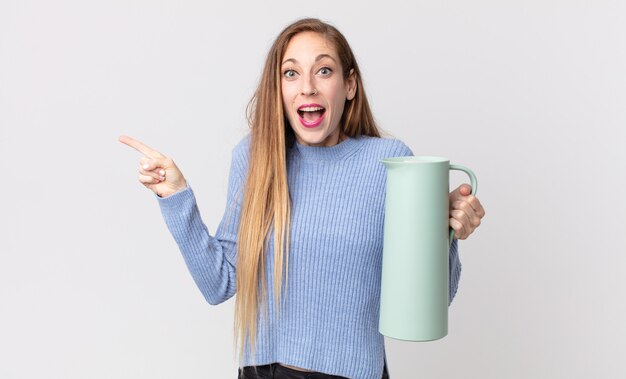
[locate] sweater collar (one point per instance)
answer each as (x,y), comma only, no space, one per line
(326,153)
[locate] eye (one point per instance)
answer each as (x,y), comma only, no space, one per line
(289,74)
(325,71)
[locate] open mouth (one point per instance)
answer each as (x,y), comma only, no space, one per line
(311,114)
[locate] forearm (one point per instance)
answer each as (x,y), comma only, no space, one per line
(209,259)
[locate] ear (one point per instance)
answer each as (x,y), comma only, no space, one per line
(351,85)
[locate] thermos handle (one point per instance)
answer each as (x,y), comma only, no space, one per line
(474,184)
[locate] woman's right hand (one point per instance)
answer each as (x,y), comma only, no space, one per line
(156,171)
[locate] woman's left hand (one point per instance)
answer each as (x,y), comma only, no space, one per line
(465,211)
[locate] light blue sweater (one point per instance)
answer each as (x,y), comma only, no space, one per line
(329,321)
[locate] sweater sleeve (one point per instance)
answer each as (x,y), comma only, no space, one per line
(454,261)
(455,269)
(211,260)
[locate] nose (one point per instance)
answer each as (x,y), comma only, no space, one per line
(308,87)
(309,92)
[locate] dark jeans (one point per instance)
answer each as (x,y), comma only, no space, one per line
(276,371)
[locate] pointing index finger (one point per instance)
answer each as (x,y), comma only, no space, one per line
(140,147)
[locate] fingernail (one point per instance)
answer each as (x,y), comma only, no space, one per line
(145,166)
(162,172)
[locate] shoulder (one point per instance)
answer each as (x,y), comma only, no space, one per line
(243,146)
(386,147)
(240,153)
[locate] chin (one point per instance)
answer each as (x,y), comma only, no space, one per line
(313,137)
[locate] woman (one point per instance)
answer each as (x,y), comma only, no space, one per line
(305,209)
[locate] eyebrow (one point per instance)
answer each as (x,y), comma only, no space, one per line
(319,57)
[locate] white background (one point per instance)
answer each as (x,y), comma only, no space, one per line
(531,95)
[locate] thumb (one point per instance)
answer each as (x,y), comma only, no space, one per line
(465,189)
(152,163)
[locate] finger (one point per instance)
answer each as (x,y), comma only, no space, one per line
(458,228)
(145,179)
(471,199)
(464,219)
(150,164)
(157,174)
(469,211)
(475,203)
(142,148)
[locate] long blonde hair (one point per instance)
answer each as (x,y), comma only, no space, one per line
(266,202)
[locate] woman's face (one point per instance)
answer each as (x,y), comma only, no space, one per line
(314,91)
